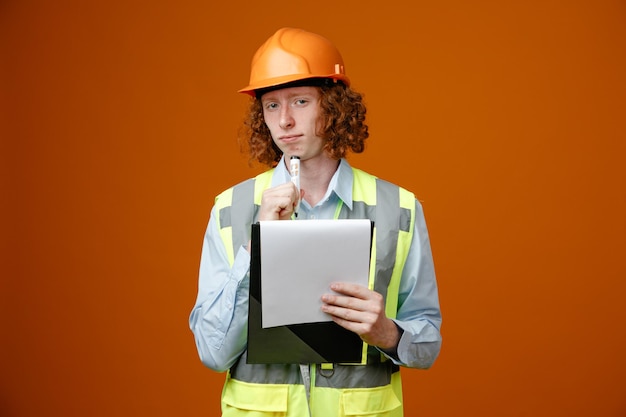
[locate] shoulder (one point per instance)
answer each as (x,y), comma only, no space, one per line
(248,184)
(229,190)
(365,178)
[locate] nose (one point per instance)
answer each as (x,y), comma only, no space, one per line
(286,120)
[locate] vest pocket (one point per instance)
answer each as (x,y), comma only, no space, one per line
(266,399)
(380,401)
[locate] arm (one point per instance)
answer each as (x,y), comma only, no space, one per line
(219,318)
(419,315)
(413,338)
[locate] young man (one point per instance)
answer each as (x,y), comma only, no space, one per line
(302,105)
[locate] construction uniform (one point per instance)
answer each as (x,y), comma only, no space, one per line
(219,317)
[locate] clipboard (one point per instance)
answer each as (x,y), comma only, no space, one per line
(318,342)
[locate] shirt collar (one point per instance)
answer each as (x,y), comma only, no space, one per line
(340,183)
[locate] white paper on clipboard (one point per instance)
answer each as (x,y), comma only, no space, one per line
(299,261)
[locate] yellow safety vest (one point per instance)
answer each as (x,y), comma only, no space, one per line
(373,389)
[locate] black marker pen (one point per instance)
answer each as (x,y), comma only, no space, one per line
(294,169)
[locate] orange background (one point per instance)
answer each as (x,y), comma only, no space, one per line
(119,126)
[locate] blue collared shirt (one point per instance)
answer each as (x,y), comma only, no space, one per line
(219,318)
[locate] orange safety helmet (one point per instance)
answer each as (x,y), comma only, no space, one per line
(294,55)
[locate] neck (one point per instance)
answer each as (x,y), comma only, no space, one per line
(315,176)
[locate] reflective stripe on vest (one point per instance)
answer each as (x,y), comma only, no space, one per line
(235,220)
(393,211)
(391,208)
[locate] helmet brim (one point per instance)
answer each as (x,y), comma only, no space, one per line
(277,82)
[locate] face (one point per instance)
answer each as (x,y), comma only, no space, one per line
(292,114)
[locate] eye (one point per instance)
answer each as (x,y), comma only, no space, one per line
(270,105)
(301,101)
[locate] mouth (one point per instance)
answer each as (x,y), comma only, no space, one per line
(289,138)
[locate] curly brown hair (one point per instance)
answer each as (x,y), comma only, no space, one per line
(342,126)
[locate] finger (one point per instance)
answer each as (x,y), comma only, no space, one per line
(272,207)
(353,290)
(351,303)
(349,325)
(287,189)
(345,314)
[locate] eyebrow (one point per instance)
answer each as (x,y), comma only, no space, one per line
(270,97)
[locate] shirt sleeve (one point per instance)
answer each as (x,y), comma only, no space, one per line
(219,319)
(418,315)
